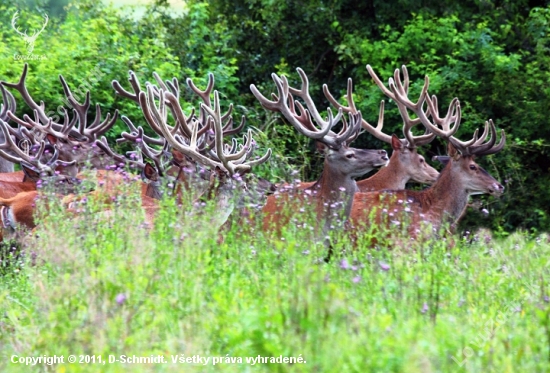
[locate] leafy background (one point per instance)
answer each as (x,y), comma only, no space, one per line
(492,55)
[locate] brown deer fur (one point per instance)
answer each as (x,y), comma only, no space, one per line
(432,208)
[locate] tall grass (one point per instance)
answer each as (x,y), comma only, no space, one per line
(100,283)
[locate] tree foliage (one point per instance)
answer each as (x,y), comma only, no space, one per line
(492,55)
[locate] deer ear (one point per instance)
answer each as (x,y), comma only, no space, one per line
(452,152)
(150,173)
(396,144)
(321,148)
(178,157)
(30,172)
(51,138)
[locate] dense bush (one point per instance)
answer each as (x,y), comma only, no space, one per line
(492,55)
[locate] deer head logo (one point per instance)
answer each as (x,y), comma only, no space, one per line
(29,39)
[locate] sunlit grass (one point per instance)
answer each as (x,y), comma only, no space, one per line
(102,284)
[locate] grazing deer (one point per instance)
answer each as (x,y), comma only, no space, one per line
(424,212)
(333,192)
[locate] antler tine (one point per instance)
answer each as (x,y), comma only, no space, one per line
(8,144)
(182,122)
(454,115)
(377,131)
(190,150)
(159,80)
(484,134)
(27,122)
(281,104)
(303,93)
(148,107)
(152,154)
(399,90)
(22,157)
(98,128)
(410,140)
(80,109)
(134,82)
(351,108)
(228,129)
(13,131)
(104,145)
(174,87)
(22,89)
(228,114)
(350,132)
(8,103)
(204,95)
(379,83)
(489,147)
(218,135)
(234,160)
(134,134)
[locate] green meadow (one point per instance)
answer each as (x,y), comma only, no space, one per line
(101,285)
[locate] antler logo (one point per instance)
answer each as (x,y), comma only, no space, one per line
(29,39)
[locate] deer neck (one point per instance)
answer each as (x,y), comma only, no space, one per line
(335,192)
(448,197)
(335,186)
(393,176)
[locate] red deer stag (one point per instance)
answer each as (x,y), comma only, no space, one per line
(18,209)
(333,192)
(193,141)
(421,213)
(405,163)
(74,138)
(8,104)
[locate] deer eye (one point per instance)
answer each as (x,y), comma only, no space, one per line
(350,156)
(473,167)
(421,160)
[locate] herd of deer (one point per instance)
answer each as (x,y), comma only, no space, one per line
(191,155)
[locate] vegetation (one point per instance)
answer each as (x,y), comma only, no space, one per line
(100,284)
(492,55)
(103,284)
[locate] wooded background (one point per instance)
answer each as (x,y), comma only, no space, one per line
(492,55)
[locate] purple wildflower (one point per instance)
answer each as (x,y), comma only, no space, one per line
(344,264)
(424,308)
(120,298)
